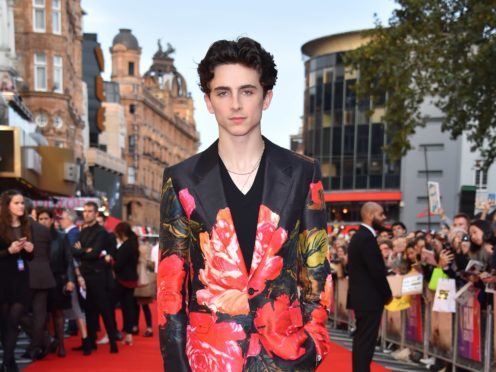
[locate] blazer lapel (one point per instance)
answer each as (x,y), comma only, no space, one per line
(277,185)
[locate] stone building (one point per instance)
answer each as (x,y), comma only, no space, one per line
(48,38)
(161,130)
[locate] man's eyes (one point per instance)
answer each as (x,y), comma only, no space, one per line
(248,92)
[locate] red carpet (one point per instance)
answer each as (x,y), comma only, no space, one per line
(144,355)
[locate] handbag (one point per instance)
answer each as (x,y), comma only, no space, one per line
(437,274)
(444,300)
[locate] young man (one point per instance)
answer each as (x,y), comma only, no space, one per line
(89,251)
(243,238)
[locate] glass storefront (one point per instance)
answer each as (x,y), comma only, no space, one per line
(340,134)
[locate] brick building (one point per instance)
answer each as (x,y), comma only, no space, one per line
(161,130)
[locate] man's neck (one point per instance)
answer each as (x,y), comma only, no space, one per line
(240,153)
(90,224)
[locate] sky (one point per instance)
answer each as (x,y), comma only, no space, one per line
(282,27)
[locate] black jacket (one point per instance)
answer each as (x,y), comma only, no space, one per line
(126,261)
(368,287)
(61,260)
(94,237)
(40,273)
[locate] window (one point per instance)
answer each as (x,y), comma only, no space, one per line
(40,72)
(131,176)
(57,74)
(39,16)
(130,68)
(480,176)
(56,17)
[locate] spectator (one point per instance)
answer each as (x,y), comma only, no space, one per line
(61,263)
(16,249)
(462,221)
(125,266)
(386,247)
(399,229)
(89,250)
(480,234)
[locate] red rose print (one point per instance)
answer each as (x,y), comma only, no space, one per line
(269,240)
(317,196)
(279,334)
(170,280)
(214,346)
(225,282)
(187,202)
(317,330)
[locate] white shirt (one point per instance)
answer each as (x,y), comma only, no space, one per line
(370,229)
(69,228)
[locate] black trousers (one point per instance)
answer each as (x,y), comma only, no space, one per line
(125,296)
(98,302)
(365,338)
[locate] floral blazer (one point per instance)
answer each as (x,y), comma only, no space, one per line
(215,314)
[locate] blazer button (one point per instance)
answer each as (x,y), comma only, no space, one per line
(251,291)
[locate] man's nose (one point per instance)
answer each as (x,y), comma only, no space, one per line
(235,102)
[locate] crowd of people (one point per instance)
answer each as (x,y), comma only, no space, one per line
(461,249)
(56,267)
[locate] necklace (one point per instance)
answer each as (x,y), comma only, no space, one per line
(247,173)
(250,172)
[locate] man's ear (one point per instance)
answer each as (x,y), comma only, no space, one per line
(210,108)
(267,99)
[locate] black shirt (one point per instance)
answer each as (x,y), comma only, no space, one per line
(244,209)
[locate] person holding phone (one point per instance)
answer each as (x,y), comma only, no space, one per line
(15,250)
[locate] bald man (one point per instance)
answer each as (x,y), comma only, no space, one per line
(368,289)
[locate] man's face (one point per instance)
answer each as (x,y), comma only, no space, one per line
(398,231)
(378,218)
(383,235)
(45,219)
(385,251)
(399,245)
(65,222)
(89,214)
(236,99)
(461,223)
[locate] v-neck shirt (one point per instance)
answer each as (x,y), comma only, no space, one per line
(244,209)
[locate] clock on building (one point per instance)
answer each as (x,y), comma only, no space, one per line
(41,120)
(58,122)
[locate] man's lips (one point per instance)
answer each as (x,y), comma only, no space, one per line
(237,119)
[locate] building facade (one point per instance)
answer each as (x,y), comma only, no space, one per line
(160,126)
(106,165)
(48,40)
(348,143)
(339,133)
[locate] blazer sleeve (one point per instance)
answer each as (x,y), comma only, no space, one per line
(174,263)
(314,268)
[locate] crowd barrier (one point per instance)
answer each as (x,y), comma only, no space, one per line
(465,339)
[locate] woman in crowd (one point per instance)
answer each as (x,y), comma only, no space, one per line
(125,268)
(15,249)
(61,263)
(147,289)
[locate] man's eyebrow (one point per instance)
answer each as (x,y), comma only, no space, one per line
(246,86)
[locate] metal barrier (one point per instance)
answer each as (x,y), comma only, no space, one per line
(440,333)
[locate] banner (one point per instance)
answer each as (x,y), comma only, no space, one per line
(434,196)
(469,330)
(62,202)
(414,330)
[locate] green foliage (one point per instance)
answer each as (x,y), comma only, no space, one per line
(438,50)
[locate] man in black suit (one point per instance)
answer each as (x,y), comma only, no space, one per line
(368,289)
(90,251)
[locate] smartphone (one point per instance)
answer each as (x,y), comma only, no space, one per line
(22,240)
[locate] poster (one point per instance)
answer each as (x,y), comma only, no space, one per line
(469,330)
(414,330)
(434,196)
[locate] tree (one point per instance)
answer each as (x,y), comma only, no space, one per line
(442,50)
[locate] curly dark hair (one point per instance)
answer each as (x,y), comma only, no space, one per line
(244,51)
